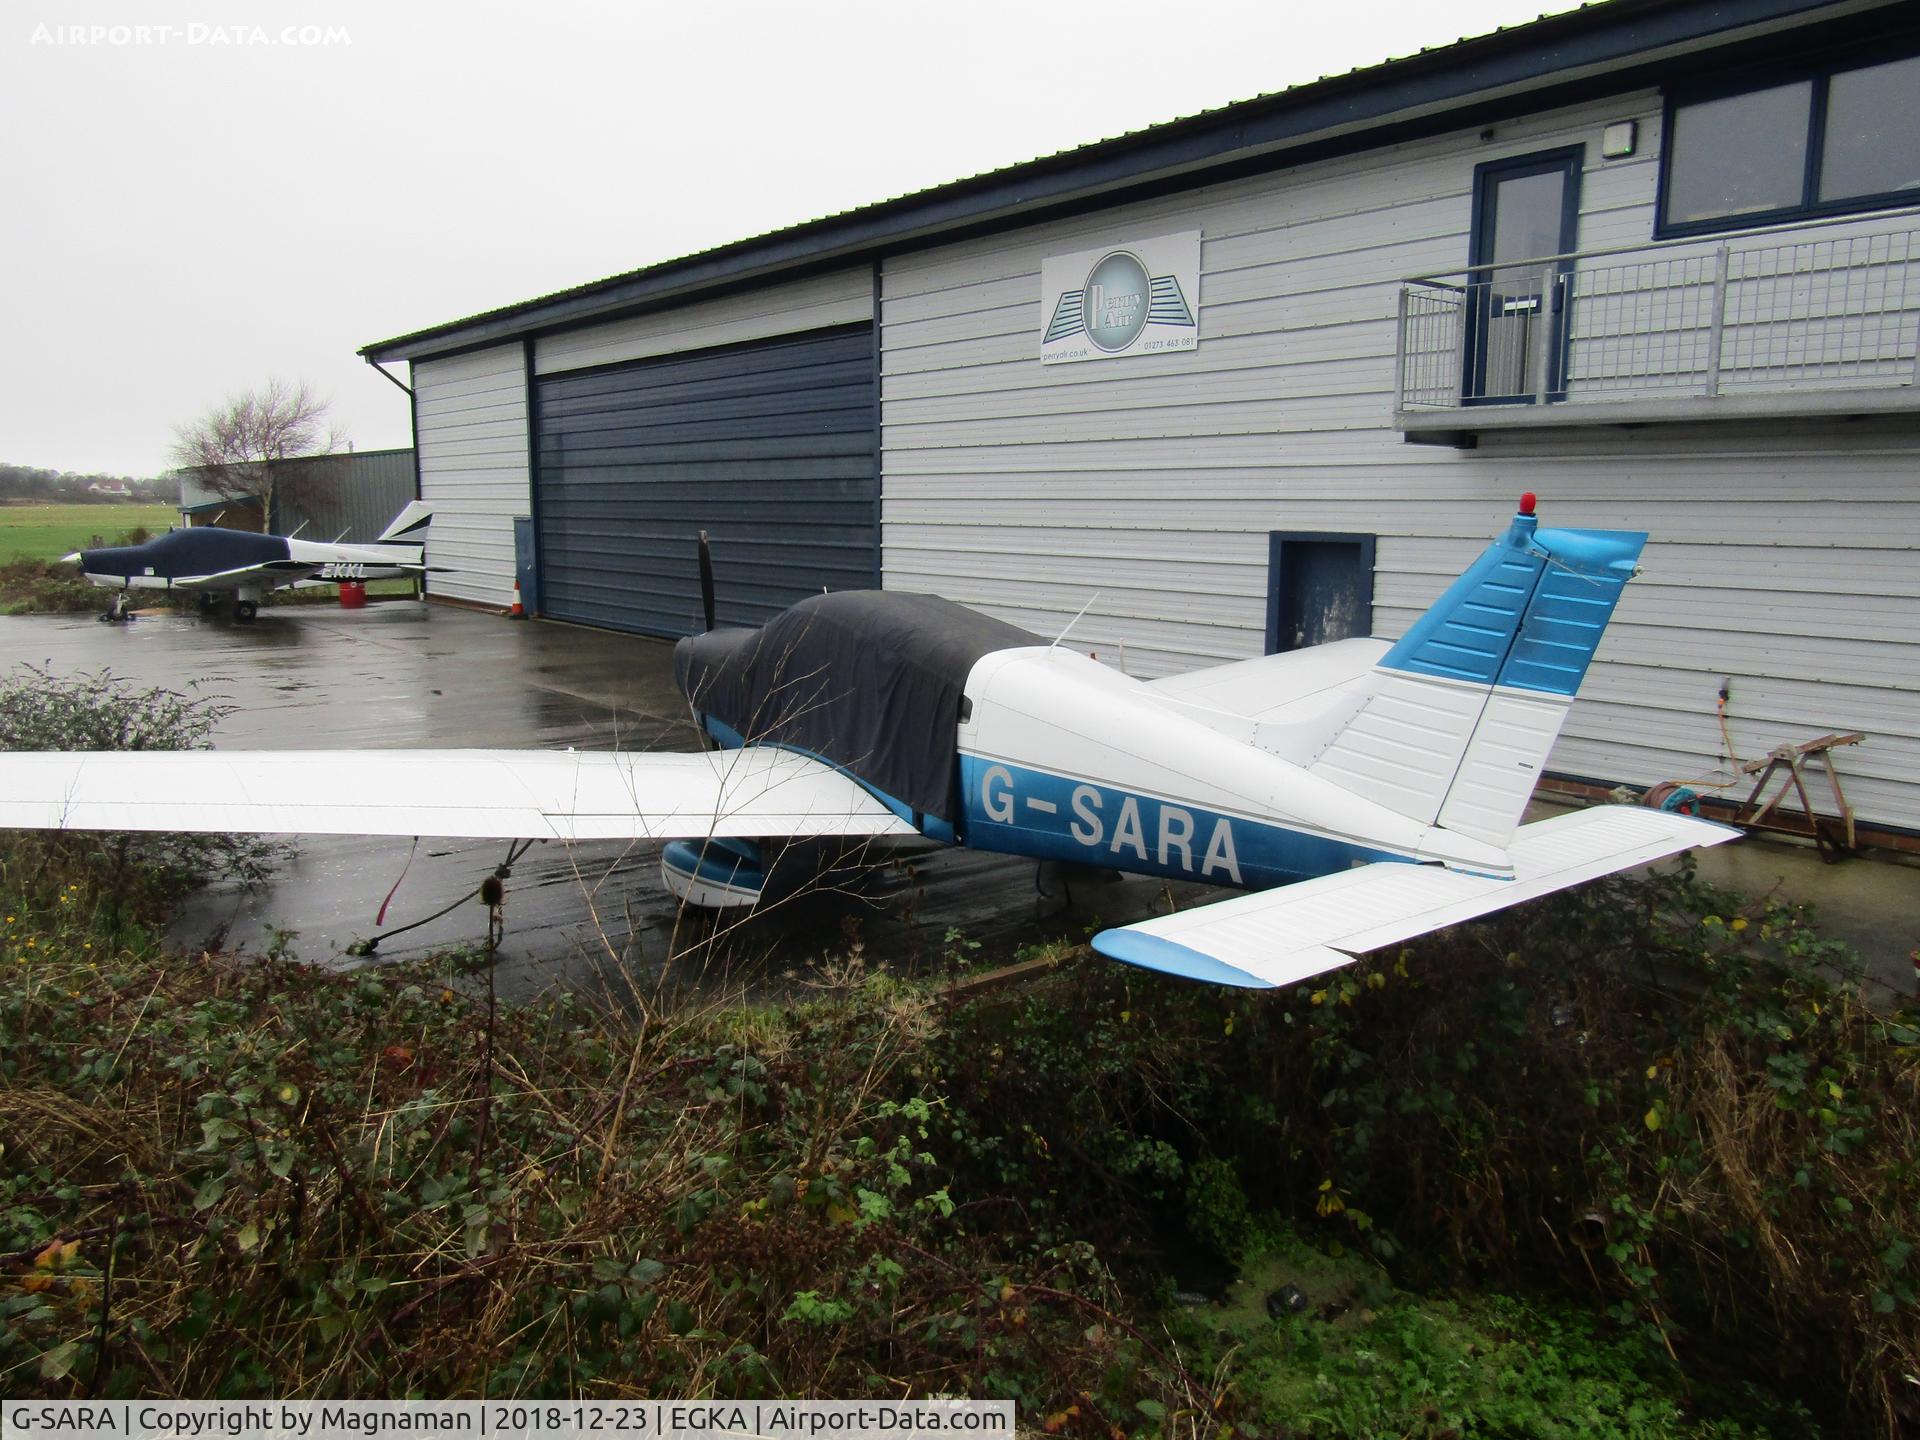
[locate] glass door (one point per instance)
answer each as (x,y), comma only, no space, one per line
(1525,211)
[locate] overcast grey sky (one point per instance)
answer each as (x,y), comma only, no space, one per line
(245,190)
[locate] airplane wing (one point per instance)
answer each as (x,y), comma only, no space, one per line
(1276,937)
(495,794)
(274,572)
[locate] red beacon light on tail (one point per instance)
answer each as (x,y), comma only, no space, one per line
(1527,501)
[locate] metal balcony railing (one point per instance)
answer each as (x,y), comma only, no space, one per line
(1679,320)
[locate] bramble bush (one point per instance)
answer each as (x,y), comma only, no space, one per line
(230,1179)
(1668,1099)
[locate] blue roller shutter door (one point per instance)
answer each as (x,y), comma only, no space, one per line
(769,447)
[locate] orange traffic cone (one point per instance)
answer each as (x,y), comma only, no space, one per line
(516,611)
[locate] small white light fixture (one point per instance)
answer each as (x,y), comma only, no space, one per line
(1617,141)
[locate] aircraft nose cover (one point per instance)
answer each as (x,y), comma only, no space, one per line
(120,560)
(182,554)
(208,550)
(869,680)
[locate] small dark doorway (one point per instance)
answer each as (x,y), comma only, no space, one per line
(1319,588)
(1524,209)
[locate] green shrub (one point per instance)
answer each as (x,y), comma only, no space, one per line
(1497,1365)
(44,587)
(31,586)
(1218,1214)
(127,878)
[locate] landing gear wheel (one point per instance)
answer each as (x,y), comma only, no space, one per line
(244,610)
(719,874)
(117,608)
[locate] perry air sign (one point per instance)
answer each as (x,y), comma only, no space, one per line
(1136,299)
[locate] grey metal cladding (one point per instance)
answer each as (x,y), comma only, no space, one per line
(768,446)
(348,497)
(373,487)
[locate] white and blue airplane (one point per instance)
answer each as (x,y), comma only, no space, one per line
(211,561)
(1360,792)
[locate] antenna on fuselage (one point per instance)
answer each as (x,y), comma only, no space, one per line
(1071,623)
(706,580)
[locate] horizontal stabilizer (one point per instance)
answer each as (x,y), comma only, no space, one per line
(495,794)
(1279,936)
(1269,686)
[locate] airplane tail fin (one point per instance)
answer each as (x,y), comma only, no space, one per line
(1464,708)
(409,527)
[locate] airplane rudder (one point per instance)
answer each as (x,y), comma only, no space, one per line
(1467,633)
(1584,575)
(1466,706)
(409,526)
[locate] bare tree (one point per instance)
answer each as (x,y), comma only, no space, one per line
(236,448)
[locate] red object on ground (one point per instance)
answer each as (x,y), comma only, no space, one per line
(353,595)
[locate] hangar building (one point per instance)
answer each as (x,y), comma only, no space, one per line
(1274,373)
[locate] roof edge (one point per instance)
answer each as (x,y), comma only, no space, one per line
(1542,55)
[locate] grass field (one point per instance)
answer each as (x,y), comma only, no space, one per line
(46,532)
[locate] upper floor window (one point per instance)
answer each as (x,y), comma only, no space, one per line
(1844,139)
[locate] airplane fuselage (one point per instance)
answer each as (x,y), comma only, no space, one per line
(1063,758)
(157,563)
(1017,810)
(196,558)
(1265,772)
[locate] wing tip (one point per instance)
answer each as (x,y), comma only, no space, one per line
(1715,832)
(1154,952)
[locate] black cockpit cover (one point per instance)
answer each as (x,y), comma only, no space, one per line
(870,680)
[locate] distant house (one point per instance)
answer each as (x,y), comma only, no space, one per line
(363,491)
(110,490)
